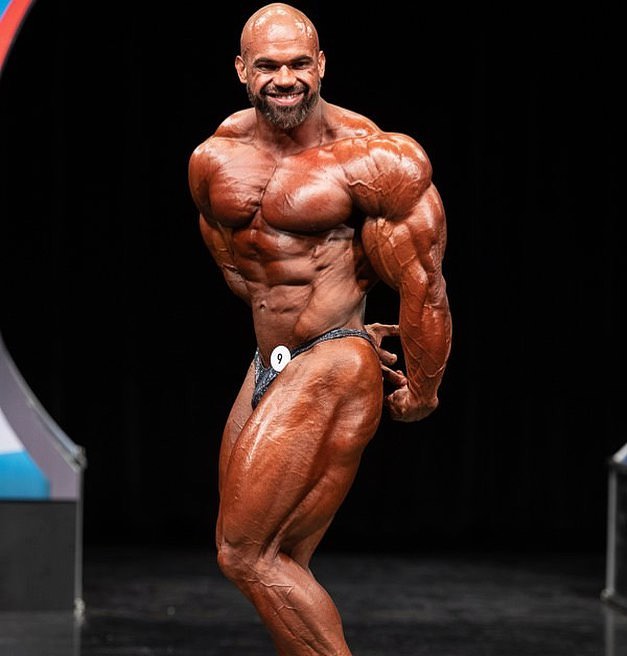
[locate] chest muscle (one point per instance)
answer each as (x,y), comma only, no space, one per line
(302,193)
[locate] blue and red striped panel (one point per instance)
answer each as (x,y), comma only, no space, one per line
(20,477)
(12,14)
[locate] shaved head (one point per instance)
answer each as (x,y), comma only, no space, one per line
(281,64)
(278,22)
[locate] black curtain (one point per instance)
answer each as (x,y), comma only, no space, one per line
(123,328)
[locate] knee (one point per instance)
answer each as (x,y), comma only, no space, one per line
(237,562)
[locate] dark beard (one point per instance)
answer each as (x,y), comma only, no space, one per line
(284,118)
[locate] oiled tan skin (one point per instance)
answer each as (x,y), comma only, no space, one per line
(302,222)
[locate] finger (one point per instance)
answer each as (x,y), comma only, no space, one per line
(391,329)
(387,329)
(395,378)
(381,330)
(387,357)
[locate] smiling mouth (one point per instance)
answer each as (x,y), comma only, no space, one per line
(286,98)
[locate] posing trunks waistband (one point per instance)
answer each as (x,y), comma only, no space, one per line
(265,375)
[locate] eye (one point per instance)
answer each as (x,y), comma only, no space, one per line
(301,64)
(266,67)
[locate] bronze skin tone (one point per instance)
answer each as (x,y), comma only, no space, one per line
(305,206)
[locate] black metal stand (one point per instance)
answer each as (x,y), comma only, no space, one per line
(615,591)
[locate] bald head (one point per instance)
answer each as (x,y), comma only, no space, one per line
(278,22)
(281,64)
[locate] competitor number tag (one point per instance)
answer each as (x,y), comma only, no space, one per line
(279,357)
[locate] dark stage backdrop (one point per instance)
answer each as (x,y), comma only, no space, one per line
(125,331)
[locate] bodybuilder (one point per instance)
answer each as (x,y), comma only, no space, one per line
(305,206)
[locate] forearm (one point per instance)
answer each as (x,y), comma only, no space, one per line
(216,242)
(425,333)
(407,253)
(236,283)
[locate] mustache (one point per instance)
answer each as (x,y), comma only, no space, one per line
(273,90)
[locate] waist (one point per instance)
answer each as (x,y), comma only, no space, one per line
(334,333)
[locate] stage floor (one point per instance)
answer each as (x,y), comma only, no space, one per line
(174,602)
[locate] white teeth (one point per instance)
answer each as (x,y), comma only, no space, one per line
(284,95)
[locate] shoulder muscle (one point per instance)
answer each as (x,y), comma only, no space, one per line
(387,174)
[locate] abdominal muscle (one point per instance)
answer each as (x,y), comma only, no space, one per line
(291,316)
(301,285)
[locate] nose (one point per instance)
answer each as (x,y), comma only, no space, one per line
(285,77)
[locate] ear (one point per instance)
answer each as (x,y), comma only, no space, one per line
(240,67)
(322,61)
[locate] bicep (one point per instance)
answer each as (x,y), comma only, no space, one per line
(409,249)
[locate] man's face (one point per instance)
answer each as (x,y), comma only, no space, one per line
(282,77)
